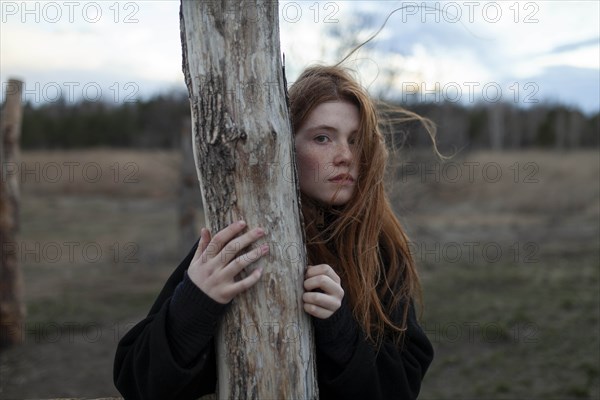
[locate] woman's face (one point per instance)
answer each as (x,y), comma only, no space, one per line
(325,152)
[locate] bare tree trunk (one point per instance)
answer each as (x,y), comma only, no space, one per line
(496,126)
(12,308)
(576,123)
(190,193)
(243,148)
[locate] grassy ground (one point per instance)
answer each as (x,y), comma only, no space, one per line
(510,269)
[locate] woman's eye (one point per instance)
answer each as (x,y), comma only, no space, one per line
(321,139)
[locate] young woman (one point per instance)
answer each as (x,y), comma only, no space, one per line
(360,288)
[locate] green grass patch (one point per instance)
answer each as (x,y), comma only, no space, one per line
(514,331)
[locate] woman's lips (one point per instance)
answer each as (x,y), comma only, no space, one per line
(345,179)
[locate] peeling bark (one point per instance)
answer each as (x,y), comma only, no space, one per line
(243,148)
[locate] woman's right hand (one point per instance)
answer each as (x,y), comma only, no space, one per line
(214,268)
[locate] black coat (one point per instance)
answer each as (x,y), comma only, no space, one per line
(170,354)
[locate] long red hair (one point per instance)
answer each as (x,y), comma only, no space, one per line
(363,240)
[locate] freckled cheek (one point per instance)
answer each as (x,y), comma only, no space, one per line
(307,165)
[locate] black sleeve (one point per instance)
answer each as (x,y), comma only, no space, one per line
(170,354)
(350,367)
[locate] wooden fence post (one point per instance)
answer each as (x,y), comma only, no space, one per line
(12,308)
(243,147)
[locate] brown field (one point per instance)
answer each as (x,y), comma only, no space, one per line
(508,245)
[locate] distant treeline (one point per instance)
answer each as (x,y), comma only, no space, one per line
(152,123)
(505,126)
(158,123)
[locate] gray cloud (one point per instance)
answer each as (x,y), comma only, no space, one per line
(576,45)
(573,86)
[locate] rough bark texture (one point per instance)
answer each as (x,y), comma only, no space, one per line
(12,308)
(243,148)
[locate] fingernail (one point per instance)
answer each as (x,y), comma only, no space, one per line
(264,248)
(242,222)
(260,231)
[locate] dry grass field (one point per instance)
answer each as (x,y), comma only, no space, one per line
(508,246)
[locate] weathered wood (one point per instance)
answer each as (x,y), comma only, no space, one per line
(243,149)
(12,308)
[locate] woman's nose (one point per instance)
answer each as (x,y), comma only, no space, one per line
(343,154)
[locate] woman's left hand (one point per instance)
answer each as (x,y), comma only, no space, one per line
(324,292)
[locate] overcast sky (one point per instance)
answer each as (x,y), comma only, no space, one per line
(518,51)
